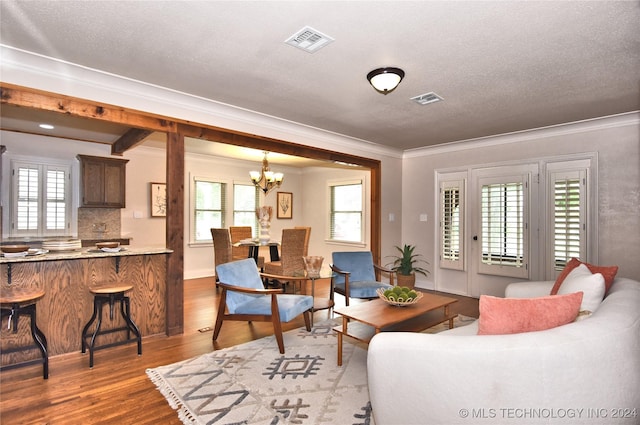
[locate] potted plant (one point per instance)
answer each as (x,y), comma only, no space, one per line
(407,264)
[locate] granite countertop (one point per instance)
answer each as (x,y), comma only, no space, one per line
(85,253)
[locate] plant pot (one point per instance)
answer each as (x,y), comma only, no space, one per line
(408,280)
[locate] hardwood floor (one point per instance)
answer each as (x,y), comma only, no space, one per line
(117,390)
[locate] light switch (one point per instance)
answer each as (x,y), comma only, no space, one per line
(423,217)
(137,214)
(392,217)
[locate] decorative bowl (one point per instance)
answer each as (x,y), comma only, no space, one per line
(392,299)
(13,249)
(109,245)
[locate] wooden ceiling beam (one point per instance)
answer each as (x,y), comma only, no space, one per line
(128,140)
(30,98)
(253,141)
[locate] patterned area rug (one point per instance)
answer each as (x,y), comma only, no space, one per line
(253,383)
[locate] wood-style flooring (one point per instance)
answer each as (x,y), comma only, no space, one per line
(117,390)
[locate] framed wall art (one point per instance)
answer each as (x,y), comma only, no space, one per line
(158,197)
(285,205)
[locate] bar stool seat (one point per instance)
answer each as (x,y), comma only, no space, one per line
(15,302)
(110,294)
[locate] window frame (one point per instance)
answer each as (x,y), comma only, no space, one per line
(447,182)
(254,224)
(43,166)
(506,176)
(584,170)
(331,213)
(206,240)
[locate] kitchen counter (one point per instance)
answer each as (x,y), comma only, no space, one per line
(66,277)
(85,253)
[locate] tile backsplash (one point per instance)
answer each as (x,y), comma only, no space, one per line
(98,223)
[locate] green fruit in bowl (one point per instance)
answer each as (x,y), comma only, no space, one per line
(412,294)
(388,292)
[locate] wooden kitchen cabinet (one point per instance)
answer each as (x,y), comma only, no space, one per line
(102,181)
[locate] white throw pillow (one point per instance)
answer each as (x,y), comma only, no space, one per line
(592,285)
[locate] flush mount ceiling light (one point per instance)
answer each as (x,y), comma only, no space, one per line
(385,80)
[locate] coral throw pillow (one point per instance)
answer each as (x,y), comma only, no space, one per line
(608,272)
(501,316)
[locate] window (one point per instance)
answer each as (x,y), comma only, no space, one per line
(568,213)
(208,208)
(245,202)
(451,224)
(346,211)
(41,199)
(503,226)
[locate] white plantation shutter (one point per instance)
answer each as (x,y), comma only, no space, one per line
(41,201)
(451,224)
(568,190)
(56,205)
(28,200)
(504,226)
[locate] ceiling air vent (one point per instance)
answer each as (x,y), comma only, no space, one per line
(427,98)
(309,40)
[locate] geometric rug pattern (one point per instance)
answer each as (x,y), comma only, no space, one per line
(253,383)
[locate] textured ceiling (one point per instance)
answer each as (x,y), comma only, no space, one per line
(500,66)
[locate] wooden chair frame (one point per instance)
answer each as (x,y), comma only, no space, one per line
(346,293)
(274,317)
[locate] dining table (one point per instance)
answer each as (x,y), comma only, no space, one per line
(254,247)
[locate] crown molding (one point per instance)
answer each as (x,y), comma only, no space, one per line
(612,121)
(28,69)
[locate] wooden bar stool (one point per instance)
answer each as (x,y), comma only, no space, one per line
(22,301)
(109,294)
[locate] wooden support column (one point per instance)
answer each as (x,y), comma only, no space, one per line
(376,212)
(175,233)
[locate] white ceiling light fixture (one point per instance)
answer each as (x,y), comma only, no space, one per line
(46,126)
(266,179)
(308,39)
(385,80)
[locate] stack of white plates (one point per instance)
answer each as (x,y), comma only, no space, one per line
(62,245)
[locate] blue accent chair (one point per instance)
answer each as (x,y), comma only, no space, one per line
(354,275)
(244,298)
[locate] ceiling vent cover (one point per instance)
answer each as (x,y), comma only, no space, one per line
(427,98)
(309,40)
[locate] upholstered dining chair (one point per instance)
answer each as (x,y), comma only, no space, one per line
(291,253)
(239,233)
(244,298)
(307,236)
(221,247)
(354,275)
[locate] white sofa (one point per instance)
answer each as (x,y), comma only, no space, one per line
(586,372)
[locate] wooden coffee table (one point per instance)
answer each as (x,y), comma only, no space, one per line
(362,321)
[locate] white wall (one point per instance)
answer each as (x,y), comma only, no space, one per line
(615,140)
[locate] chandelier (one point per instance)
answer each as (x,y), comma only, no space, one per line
(266,179)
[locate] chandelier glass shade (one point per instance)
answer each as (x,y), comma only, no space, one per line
(266,179)
(385,80)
